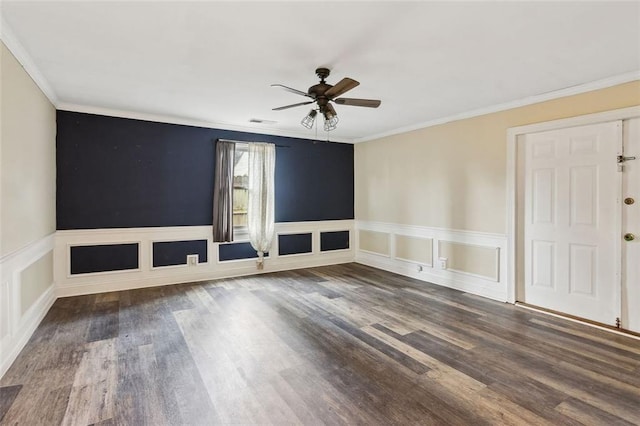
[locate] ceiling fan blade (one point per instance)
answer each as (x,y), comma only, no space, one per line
(292,90)
(292,106)
(341,87)
(369,103)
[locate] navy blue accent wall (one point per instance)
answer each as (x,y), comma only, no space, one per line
(235,251)
(103,258)
(168,253)
(334,240)
(294,244)
(122,173)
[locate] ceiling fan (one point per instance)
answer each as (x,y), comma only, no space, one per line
(323,94)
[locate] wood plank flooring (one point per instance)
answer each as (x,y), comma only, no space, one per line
(344,344)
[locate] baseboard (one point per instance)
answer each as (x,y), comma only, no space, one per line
(17,340)
(247,268)
(491,283)
(465,283)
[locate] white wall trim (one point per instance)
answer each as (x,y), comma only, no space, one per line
(530,100)
(242,268)
(148,276)
(460,280)
(20,326)
(23,57)
(450,279)
(14,343)
(453,235)
(23,257)
(512,169)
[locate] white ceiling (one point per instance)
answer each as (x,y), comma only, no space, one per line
(214,62)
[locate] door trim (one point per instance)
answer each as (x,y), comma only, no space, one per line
(512,172)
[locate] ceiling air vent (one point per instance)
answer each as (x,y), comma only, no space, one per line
(261,121)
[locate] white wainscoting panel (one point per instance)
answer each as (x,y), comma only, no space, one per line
(17,326)
(148,276)
(491,287)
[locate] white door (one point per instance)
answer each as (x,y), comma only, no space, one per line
(572,220)
(631,225)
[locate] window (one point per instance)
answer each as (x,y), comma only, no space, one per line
(240,189)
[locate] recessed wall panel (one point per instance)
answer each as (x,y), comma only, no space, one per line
(169,253)
(237,251)
(419,250)
(35,280)
(334,240)
(375,242)
(294,244)
(104,258)
(471,259)
(4,309)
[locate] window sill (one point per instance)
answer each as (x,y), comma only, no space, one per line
(240,235)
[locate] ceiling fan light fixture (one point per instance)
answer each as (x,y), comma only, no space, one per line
(330,122)
(330,118)
(309,119)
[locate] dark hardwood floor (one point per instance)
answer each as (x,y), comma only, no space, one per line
(344,344)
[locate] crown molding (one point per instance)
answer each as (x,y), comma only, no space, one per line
(17,49)
(64,106)
(20,53)
(530,100)
(8,37)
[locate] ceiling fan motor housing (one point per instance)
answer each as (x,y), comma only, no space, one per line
(318,90)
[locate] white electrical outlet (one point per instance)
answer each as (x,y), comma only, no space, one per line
(442,262)
(192,259)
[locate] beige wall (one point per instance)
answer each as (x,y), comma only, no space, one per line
(27,158)
(27,180)
(454,175)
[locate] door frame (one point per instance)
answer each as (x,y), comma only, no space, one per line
(514,145)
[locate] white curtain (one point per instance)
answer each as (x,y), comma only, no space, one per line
(260,209)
